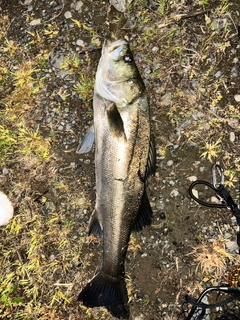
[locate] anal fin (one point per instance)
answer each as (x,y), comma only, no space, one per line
(95,226)
(151,164)
(145,215)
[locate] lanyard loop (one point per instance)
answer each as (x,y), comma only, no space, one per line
(222,194)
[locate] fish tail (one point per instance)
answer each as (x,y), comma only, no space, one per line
(107,292)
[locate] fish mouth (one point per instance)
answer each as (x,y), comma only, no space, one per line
(114,49)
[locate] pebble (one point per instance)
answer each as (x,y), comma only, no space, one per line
(234,71)
(78,5)
(218,74)
(79,42)
(67,15)
(232,136)
(5,171)
(195,193)
(68,126)
(233,123)
(174,193)
(155,49)
(191,144)
(194,84)
(186,124)
(192,178)
(35,22)
(170,163)
(211,233)
(140,317)
(162,216)
(219,23)
(166,100)
(232,246)
(237,97)
(26,2)
(215,200)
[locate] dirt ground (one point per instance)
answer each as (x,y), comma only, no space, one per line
(188,54)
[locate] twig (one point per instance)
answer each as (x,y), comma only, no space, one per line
(181,17)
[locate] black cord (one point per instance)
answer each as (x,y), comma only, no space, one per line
(206,204)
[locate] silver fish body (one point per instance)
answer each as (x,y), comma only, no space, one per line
(124,157)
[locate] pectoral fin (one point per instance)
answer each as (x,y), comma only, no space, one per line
(115,122)
(86,144)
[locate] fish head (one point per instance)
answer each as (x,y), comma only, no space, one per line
(118,62)
(115,68)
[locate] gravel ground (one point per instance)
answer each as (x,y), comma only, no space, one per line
(188,56)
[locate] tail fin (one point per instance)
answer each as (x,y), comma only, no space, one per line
(107,292)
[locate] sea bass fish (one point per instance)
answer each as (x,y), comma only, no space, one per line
(124,158)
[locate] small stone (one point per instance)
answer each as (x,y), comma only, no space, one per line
(174,193)
(218,74)
(191,144)
(192,178)
(232,136)
(186,124)
(211,233)
(35,22)
(141,317)
(68,127)
(237,97)
(195,193)
(232,246)
(67,15)
(5,171)
(219,23)
(52,257)
(166,100)
(215,200)
(206,126)
(162,216)
(234,71)
(233,123)
(165,231)
(144,255)
(78,5)
(155,49)
(169,163)
(194,83)
(79,43)
(26,2)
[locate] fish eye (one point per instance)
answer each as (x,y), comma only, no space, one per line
(127,58)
